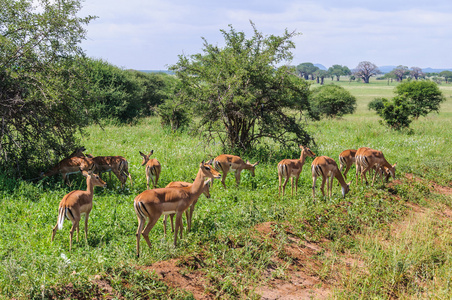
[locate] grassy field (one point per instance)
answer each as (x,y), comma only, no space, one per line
(397,235)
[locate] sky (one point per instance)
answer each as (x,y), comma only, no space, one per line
(151,34)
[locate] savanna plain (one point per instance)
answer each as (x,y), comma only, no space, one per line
(389,241)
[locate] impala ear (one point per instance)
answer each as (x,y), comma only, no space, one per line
(142,154)
(209,162)
(256,163)
(152,152)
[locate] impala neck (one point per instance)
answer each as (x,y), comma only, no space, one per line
(198,184)
(303,156)
(89,185)
(340,178)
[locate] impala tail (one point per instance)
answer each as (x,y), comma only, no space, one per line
(61,216)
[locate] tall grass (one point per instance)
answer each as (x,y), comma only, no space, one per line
(234,259)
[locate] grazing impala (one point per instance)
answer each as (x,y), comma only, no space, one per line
(153,203)
(292,168)
(227,162)
(188,214)
(374,158)
(76,203)
(327,168)
(153,169)
(347,159)
(69,165)
(116,164)
(358,161)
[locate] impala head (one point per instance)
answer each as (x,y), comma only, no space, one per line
(391,172)
(146,157)
(208,171)
(95,179)
(89,155)
(346,189)
(306,150)
(251,167)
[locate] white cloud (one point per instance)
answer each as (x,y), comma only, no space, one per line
(151,34)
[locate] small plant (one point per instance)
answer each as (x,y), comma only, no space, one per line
(331,101)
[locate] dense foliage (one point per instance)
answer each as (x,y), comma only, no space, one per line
(239,92)
(331,101)
(43,95)
(124,95)
(422,96)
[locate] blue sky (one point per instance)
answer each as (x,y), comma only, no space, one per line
(150,34)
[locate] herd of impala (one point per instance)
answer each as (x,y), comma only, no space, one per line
(179,197)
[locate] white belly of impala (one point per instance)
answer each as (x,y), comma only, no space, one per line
(169,212)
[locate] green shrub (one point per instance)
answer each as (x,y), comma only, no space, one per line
(331,101)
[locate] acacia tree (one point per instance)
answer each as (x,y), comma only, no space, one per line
(416,72)
(365,70)
(42,98)
(338,71)
(307,69)
(240,94)
(400,71)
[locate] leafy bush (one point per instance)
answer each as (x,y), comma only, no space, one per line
(423,96)
(413,99)
(331,101)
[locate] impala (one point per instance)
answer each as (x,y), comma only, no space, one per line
(358,162)
(69,165)
(153,203)
(227,162)
(374,158)
(76,203)
(116,164)
(347,159)
(327,168)
(153,169)
(292,168)
(188,214)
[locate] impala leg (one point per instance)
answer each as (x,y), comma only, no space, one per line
(141,221)
(145,233)
(331,185)
(279,185)
(314,179)
(86,227)
(377,170)
(237,177)
(296,184)
(322,187)
(192,209)
(118,175)
(172,223)
(71,233)
(363,174)
(291,184)
(284,185)
(147,180)
(223,179)
(164,224)
(179,226)
(156,178)
(346,171)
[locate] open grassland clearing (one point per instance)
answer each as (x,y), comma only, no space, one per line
(387,241)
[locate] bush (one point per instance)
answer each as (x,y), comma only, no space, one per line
(396,114)
(331,101)
(423,96)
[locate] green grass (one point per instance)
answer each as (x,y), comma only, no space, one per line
(233,257)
